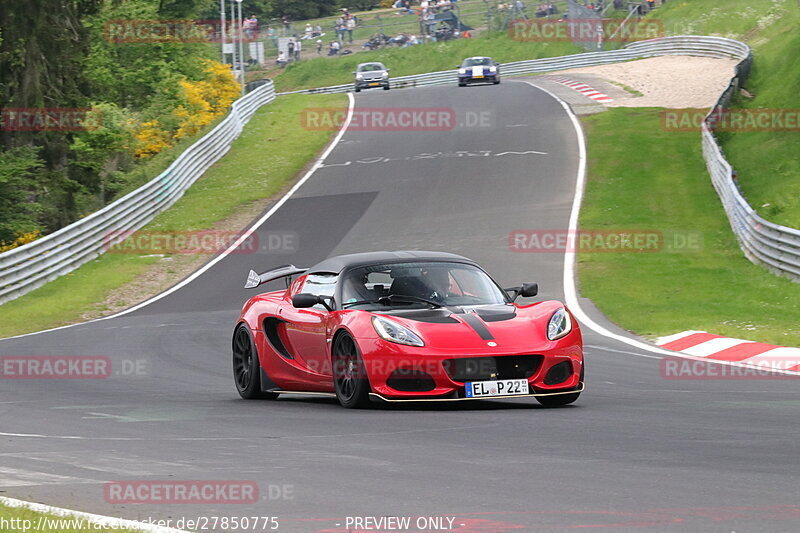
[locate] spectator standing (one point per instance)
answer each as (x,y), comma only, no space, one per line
(272,36)
(319,46)
(298,46)
(350,26)
(340,29)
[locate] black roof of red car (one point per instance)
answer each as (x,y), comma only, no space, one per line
(336,264)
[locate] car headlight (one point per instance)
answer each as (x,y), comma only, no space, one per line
(492,69)
(462,71)
(385,75)
(359,77)
(560,324)
(391,331)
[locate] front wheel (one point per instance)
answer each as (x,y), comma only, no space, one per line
(358,89)
(386,88)
(558,400)
(246,368)
(497,82)
(349,373)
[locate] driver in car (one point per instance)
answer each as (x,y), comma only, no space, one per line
(437,281)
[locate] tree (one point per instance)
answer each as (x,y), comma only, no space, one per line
(17,185)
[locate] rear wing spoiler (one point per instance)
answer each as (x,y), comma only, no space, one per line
(254,279)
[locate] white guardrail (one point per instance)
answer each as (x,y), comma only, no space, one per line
(32,265)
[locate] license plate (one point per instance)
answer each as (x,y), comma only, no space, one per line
(478,76)
(375,84)
(502,387)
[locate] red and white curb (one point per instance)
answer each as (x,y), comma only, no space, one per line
(738,351)
(585,90)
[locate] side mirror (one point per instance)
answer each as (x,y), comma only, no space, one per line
(305,300)
(529,290)
(526,290)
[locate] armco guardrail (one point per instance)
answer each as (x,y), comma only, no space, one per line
(772,245)
(683,45)
(28,267)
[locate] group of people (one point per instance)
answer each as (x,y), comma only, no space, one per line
(312,32)
(346,23)
(292,52)
(546,9)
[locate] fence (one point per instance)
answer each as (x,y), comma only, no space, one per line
(30,266)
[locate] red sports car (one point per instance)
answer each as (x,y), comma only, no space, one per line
(404,326)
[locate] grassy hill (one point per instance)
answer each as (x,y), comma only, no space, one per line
(767,162)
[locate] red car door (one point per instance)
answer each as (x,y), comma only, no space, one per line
(307,329)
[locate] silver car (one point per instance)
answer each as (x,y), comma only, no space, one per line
(369,75)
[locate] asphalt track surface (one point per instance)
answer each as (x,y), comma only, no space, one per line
(636,453)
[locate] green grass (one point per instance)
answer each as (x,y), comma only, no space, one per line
(736,19)
(273,148)
(642,177)
(15,518)
(320,72)
(768,163)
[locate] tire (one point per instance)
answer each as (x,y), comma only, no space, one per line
(560,399)
(497,82)
(246,368)
(386,88)
(349,373)
(358,89)
(462,84)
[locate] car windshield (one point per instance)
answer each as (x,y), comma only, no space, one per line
(411,284)
(371,67)
(478,62)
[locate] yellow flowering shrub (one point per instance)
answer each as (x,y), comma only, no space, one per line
(22,238)
(202,102)
(151,139)
(206,99)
